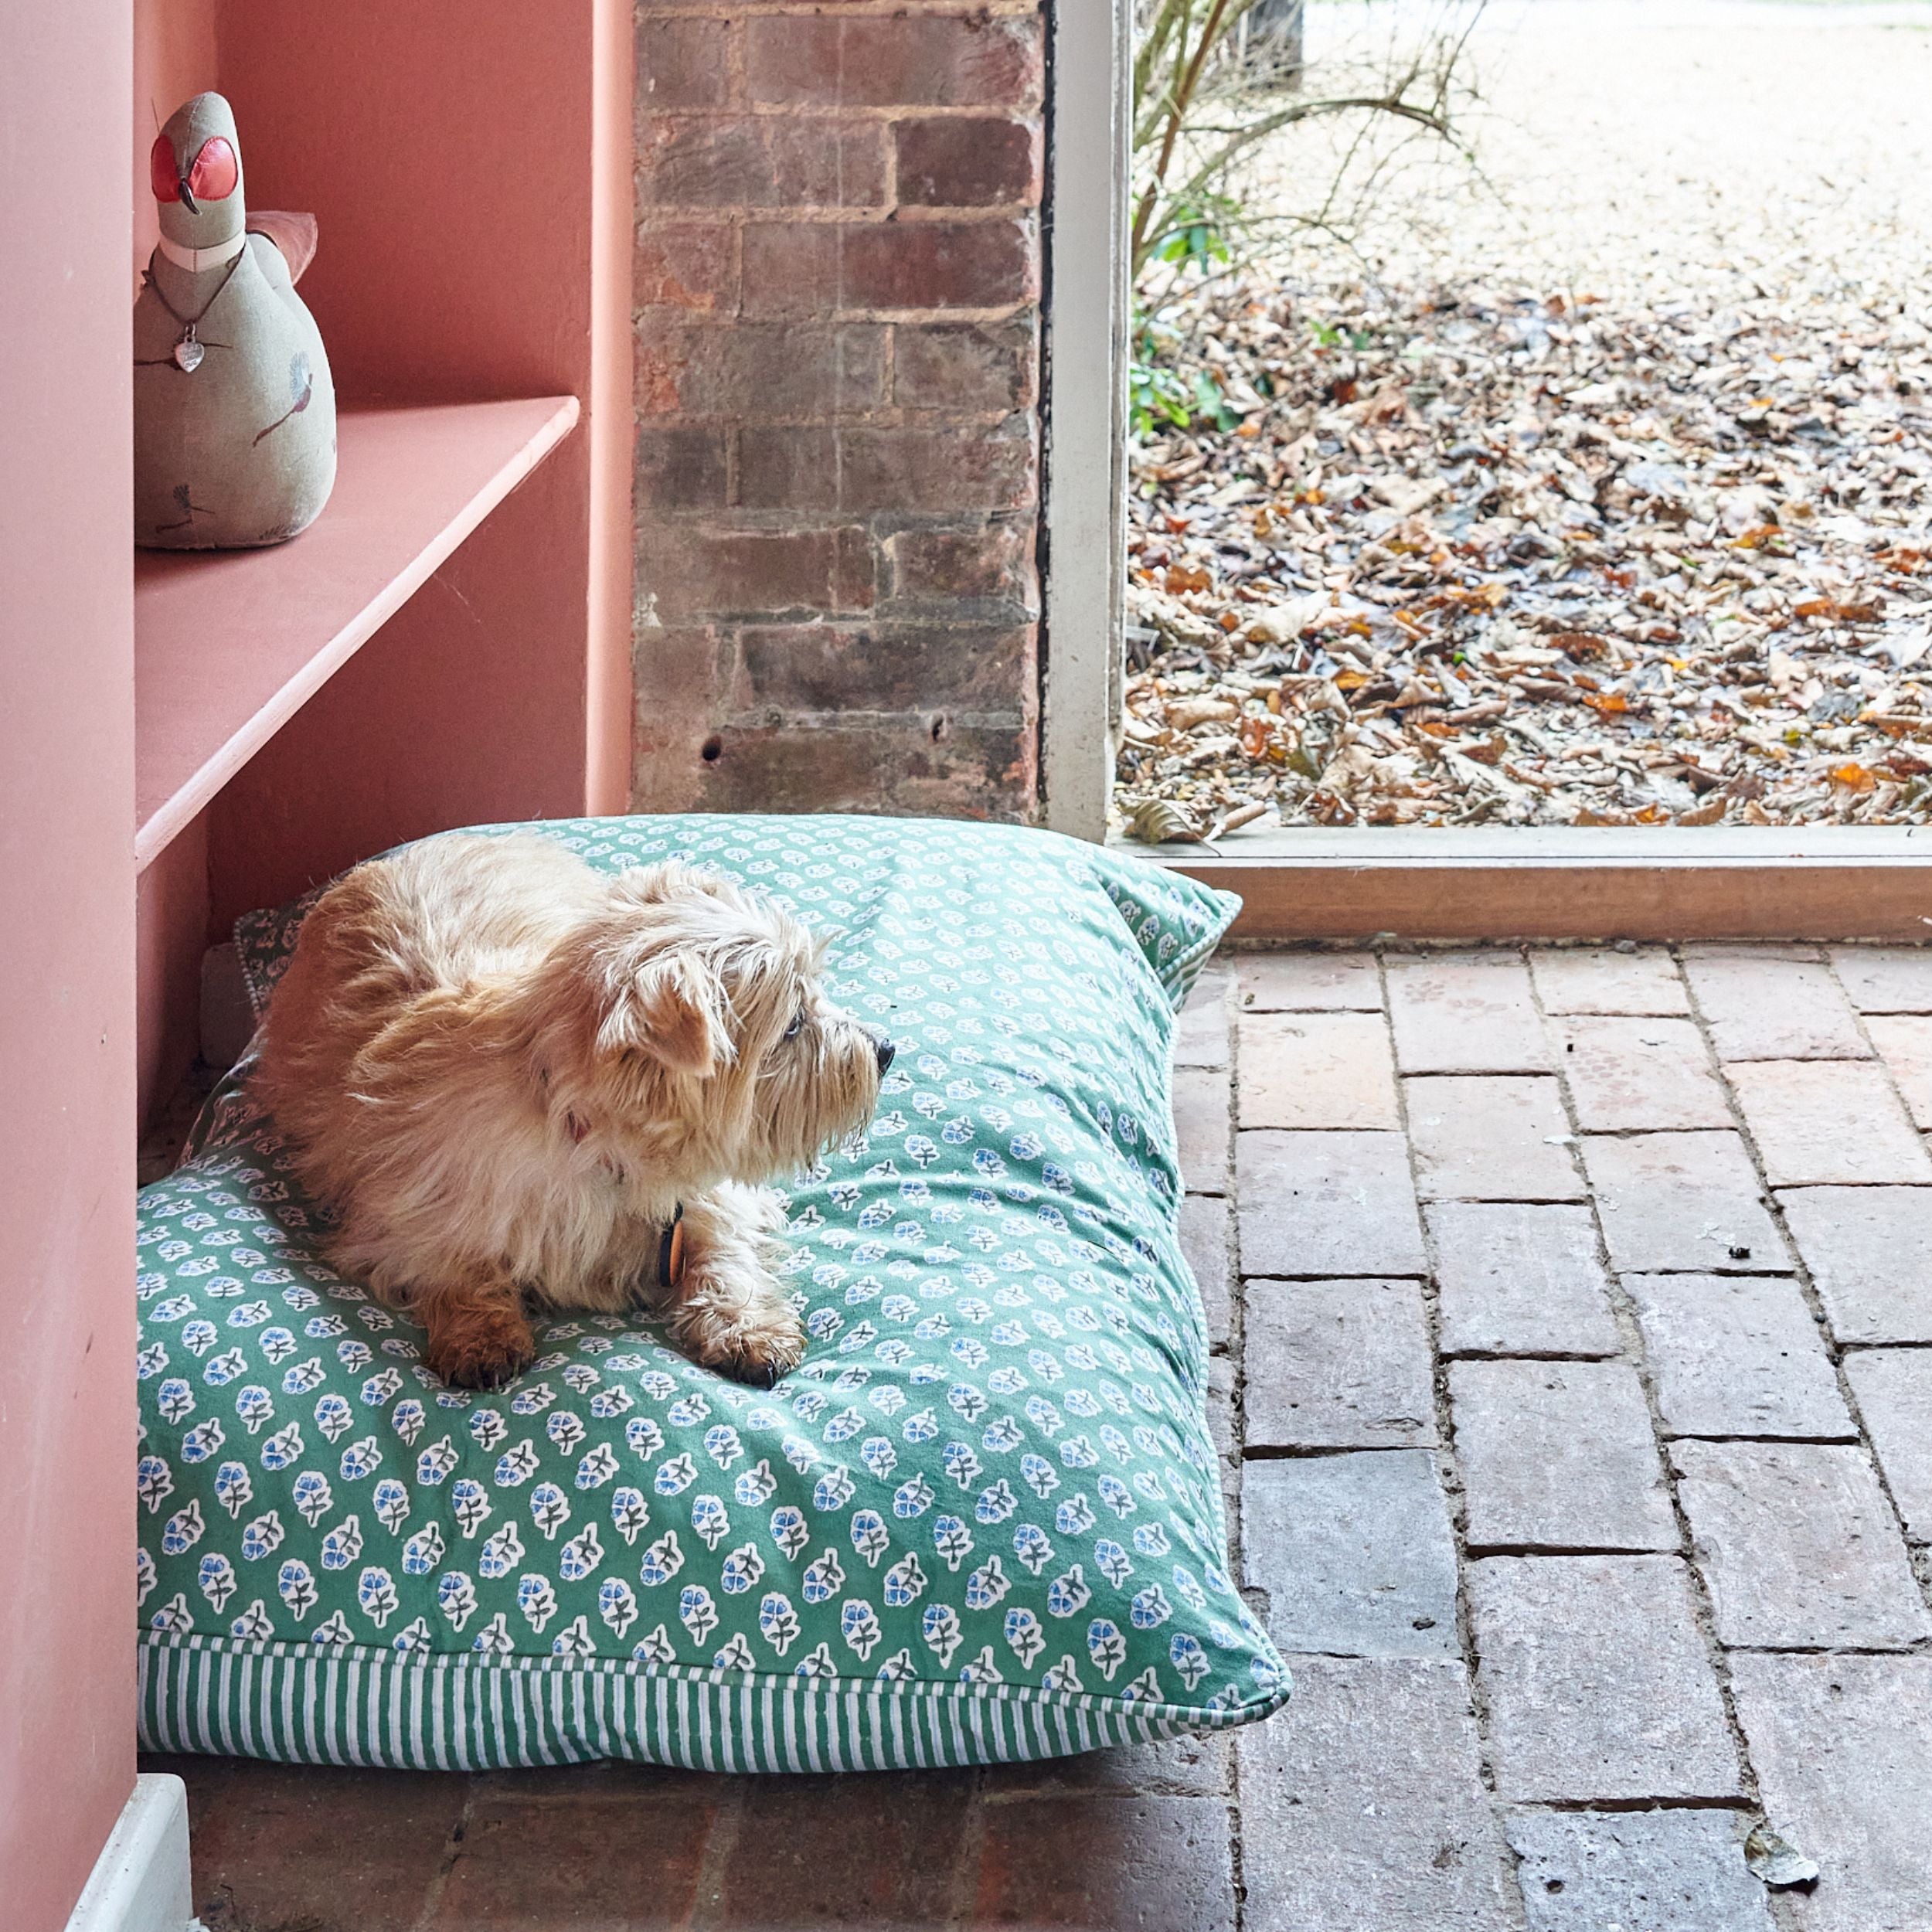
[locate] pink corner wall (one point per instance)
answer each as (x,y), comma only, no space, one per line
(66,963)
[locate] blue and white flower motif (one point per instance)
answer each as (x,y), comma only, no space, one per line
(502,1551)
(423,1551)
(470,1502)
(580,1556)
(616,1605)
(869,1536)
(342,1545)
(295,1584)
(661,1561)
(536,1599)
(823,1577)
(217,1577)
(1068,1594)
(629,1512)
(333,1416)
(697,1612)
(1031,1547)
(455,1597)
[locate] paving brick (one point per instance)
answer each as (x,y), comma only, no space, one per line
(1842,1746)
(1869,1253)
(1599,1686)
(333,1850)
(1581,980)
(1336,1365)
(1737,1355)
(1490,1137)
(1639,1075)
(1192,1765)
(1818,1122)
(1641,1871)
(1798,1546)
(1688,1201)
(1317,1070)
(795,1860)
(1201,1030)
(1886,979)
(1087,1862)
(1310,982)
(1206,1224)
(1558,1455)
(1765,1005)
(1466,1013)
(1893,1388)
(1320,1205)
(1519,1279)
(1201,1128)
(1353,1553)
(619,1865)
(1363,1806)
(1904,1041)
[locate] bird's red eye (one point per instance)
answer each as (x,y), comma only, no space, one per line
(215,171)
(161,170)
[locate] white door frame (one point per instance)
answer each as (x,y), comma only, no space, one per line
(1084,311)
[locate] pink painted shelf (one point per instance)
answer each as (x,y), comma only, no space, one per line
(229,646)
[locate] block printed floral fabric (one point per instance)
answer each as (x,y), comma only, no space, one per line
(981,1522)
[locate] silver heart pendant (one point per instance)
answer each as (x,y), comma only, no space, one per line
(188,353)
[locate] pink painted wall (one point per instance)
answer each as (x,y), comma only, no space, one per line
(66,962)
(173,60)
(472,181)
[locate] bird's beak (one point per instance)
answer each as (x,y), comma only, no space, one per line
(188,197)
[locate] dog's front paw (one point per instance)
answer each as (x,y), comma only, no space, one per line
(481,1348)
(759,1345)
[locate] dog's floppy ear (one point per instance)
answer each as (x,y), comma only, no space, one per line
(668,1009)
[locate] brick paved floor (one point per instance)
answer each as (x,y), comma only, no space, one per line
(1572,1314)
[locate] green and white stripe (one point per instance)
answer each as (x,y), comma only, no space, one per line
(426,1711)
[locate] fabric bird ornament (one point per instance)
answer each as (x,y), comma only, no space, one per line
(234,408)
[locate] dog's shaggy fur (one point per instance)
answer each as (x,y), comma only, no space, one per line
(507,1073)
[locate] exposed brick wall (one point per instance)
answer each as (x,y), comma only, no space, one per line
(837,334)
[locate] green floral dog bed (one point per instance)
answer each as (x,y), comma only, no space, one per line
(982,1521)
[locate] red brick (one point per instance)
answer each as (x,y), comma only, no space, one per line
(791,268)
(966,367)
(818,268)
(937,61)
(330,1850)
(760,161)
(679,469)
(798,1860)
(694,572)
(755,370)
(1125,1864)
(933,264)
(882,763)
(991,562)
(686,265)
(680,63)
(825,667)
(954,162)
(826,469)
(627,1865)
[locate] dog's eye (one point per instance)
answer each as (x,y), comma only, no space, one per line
(798,1020)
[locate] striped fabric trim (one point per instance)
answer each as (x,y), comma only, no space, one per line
(431,1711)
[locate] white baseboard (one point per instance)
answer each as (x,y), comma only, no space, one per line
(141,1882)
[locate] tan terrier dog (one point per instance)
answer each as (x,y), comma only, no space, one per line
(514,1077)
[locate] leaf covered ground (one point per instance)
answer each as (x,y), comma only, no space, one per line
(1594,490)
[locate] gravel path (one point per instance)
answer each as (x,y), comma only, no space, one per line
(1593,485)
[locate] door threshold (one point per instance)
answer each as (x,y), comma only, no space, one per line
(1555,882)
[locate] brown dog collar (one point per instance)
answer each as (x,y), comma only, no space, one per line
(670,1250)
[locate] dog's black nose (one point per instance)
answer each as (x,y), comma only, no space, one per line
(885,1049)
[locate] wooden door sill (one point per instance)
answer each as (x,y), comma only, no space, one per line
(1651,883)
